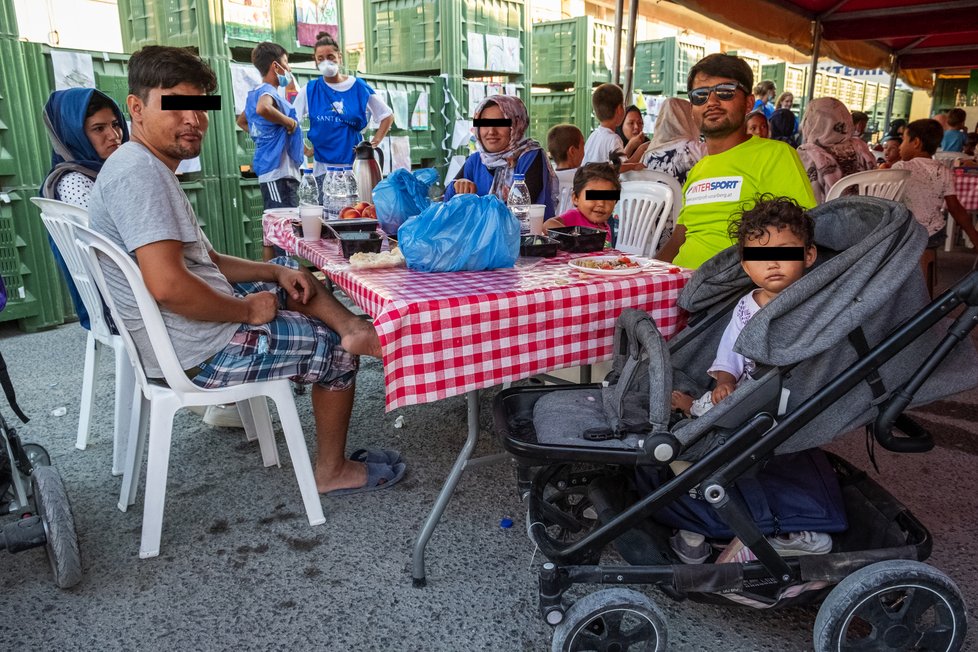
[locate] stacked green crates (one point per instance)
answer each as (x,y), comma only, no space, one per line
(571,53)
(662,66)
(432,36)
(789,78)
(901,104)
(755,66)
(570,57)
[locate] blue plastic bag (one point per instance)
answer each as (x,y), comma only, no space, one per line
(401,195)
(467,233)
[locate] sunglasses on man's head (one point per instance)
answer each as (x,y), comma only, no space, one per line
(725,92)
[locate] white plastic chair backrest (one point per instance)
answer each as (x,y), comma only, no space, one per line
(643,210)
(663,178)
(564,203)
(885,184)
(98,251)
(58,218)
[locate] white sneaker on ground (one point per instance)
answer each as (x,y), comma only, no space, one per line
(690,547)
(801,543)
(223,416)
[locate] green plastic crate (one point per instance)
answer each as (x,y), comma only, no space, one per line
(550,109)
(755,67)
(8,19)
(25,152)
(415,36)
(35,292)
(575,52)
(661,66)
(250,209)
(901,104)
(789,78)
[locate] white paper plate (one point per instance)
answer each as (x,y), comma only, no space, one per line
(644,264)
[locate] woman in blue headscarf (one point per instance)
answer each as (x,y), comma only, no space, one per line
(85,126)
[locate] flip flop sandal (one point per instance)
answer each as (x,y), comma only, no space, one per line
(379,476)
(378,456)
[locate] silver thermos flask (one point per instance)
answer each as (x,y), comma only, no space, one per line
(366,170)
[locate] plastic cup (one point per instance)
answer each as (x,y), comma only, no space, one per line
(312,222)
(537,212)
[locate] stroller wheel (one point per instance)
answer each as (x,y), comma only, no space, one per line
(564,509)
(892,605)
(612,619)
(59,525)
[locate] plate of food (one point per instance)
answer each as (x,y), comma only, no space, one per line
(619,265)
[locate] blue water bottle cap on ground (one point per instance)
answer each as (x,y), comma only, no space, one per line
(506,523)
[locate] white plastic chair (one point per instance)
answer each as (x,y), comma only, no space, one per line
(160,402)
(659,177)
(643,210)
(564,203)
(99,334)
(885,184)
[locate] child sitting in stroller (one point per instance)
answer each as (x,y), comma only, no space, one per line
(776,241)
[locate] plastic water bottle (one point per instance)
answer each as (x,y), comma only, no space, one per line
(308,192)
(351,192)
(330,200)
(519,202)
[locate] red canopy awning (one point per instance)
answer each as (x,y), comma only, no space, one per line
(922,35)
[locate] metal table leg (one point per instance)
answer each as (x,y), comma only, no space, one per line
(447,490)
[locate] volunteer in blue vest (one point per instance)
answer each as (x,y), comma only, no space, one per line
(271,122)
(338,106)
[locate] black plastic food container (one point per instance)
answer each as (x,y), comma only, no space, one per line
(538,245)
(354,242)
(579,239)
(335,227)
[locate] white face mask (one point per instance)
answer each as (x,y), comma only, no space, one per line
(329,68)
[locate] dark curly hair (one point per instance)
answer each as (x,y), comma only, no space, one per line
(161,66)
(768,211)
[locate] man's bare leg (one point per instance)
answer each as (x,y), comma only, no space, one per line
(357,336)
(332,413)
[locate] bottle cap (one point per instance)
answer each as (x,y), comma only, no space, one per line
(519,177)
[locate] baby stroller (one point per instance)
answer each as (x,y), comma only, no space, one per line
(853,343)
(31,488)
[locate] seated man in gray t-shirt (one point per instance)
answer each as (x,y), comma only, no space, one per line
(231,320)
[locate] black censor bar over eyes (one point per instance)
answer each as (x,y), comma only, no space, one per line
(492,122)
(774,253)
(598,195)
(190,102)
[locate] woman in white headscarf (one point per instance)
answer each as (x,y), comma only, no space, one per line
(675,146)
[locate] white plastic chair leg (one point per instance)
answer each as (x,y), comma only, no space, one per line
(157,466)
(292,428)
(254,413)
(138,430)
(92,351)
(125,387)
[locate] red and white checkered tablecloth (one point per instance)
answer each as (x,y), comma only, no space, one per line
(966,189)
(446,334)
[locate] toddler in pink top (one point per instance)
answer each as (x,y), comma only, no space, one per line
(594,194)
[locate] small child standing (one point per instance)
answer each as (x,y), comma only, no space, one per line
(594,194)
(608,103)
(931,183)
(776,240)
(955,136)
(566,146)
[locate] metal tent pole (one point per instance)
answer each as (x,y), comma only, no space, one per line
(894,72)
(816,47)
(616,58)
(630,50)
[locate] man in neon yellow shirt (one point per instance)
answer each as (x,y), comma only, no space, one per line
(737,168)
